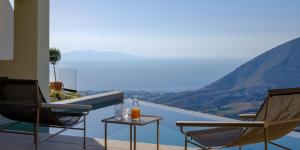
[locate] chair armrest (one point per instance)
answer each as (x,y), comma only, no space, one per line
(220,124)
(246,116)
(67,106)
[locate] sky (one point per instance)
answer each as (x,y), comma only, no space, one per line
(174,28)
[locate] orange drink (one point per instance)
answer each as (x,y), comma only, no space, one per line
(135,113)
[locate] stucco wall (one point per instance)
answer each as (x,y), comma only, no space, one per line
(31,43)
(6,30)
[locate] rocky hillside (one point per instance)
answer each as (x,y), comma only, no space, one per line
(243,90)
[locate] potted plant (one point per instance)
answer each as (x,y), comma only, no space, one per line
(55,57)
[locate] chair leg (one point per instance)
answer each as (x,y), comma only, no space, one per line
(185,142)
(36,136)
(36,129)
(266,138)
(240,147)
(266,145)
(84,131)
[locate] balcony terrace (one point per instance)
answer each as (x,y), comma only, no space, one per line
(171,138)
(117,141)
(8,142)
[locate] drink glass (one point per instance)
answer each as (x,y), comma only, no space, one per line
(135,110)
(118,111)
(125,111)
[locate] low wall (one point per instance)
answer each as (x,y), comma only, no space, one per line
(97,100)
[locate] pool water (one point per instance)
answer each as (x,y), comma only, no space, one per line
(169,132)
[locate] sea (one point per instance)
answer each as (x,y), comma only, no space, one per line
(143,74)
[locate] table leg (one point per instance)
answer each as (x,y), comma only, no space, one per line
(105,136)
(134,138)
(157,134)
(130,137)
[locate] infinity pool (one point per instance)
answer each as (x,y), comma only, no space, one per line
(169,132)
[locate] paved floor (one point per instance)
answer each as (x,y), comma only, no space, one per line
(25,142)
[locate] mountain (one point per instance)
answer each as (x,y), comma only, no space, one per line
(243,90)
(92,54)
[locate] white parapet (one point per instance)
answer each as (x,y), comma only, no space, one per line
(98,100)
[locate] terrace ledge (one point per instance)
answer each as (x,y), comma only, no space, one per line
(98,100)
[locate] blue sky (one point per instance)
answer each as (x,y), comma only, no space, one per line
(174,28)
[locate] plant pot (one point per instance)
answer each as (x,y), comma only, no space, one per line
(56,86)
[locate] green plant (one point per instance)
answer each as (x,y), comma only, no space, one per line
(55,57)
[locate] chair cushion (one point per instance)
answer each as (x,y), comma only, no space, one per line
(215,137)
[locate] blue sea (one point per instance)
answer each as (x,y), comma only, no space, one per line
(146,74)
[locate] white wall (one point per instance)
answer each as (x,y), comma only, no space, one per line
(31,43)
(6,30)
